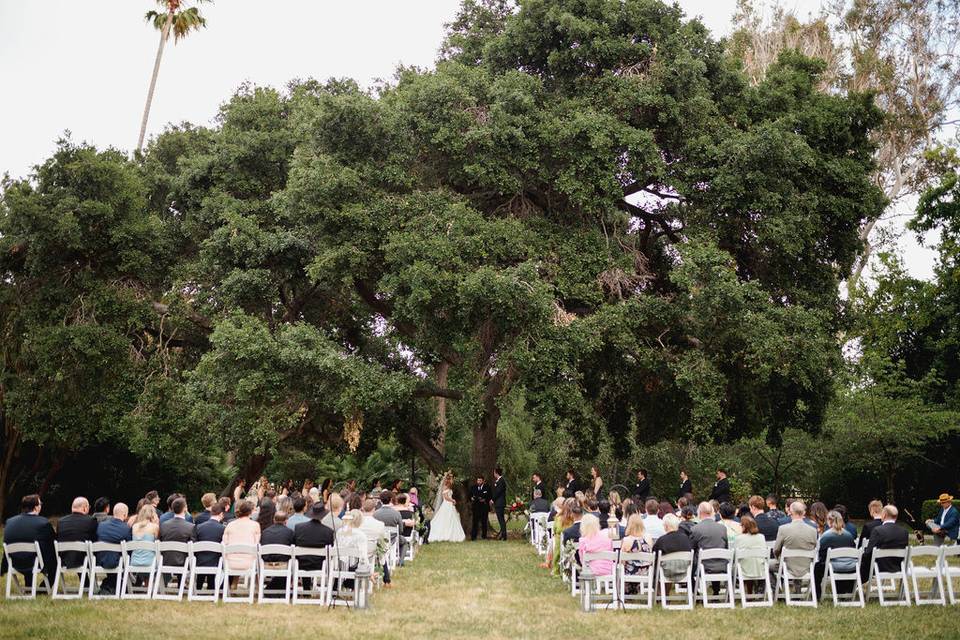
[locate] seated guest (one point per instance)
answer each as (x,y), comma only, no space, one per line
(114,530)
(210,531)
(241,530)
(774,512)
(277,533)
(946,524)
(264,515)
(593,540)
(681,503)
(670,542)
(651,521)
(101,509)
(875,508)
(406,512)
(752,569)
(727,512)
(375,531)
(636,540)
(563,519)
(169,513)
(835,537)
(665,508)
(688,520)
(176,529)
(888,535)
(539,505)
(572,533)
(603,513)
(848,526)
(76,527)
(709,534)
(285,504)
(818,517)
(31,527)
(299,513)
(766,522)
(390,516)
(153,498)
(796,535)
(334,507)
(592,506)
(226,510)
(133,516)
(207,500)
(146,528)
(351,535)
(628,509)
(742,510)
(313,534)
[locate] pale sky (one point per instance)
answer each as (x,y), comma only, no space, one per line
(85,66)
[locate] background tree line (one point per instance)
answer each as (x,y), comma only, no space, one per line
(592,233)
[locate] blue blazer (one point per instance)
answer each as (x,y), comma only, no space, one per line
(113,531)
(951,523)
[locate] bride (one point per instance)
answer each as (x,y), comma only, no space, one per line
(445,526)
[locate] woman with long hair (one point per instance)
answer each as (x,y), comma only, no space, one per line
(636,540)
(146,528)
(597,481)
(325,489)
(241,530)
(818,513)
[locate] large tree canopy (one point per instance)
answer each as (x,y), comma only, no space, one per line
(586,200)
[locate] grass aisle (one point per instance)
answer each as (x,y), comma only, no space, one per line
(486,590)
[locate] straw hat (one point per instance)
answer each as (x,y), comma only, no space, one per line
(945,497)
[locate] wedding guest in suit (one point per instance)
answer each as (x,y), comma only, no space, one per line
(538,485)
(766,523)
(78,526)
(641,490)
(210,531)
(685,485)
(946,524)
(113,530)
(228,513)
(314,534)
(499,499)
(671,542)
(795,535)
(176,529)
(875,508)
(572,487)
(709,534)
(887,535)
(277,533)
(241,530)
(572,532)
(406,513)
(101,509)
(721,488)
(30,527)
(170,512)
(207,500)
(539,505)
(835,537)
(479,502)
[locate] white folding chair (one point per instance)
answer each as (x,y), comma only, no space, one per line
(342,576)
(167,566)
(753,556)
(950,571)
(197,571)
(805,579)
(724,577)
(931,569)
(877,577)
(317,593)
(606,585)
(831,577)
(246,576)
(97,568)
(128,588)
(643,598)
(82,571)
(411,546)
(676,578)
(271,570)
(36,571)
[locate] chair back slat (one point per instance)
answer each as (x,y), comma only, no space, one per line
(798,553)
(63,547)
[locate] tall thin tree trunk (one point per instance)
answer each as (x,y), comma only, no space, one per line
(484,457)
(153,79)
(441,371)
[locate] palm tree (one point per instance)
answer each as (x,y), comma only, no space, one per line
(181,21)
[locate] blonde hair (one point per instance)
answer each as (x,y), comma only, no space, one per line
(352,519)
(589,525)
(635,526)
(835,521)
(614,498)
(146,517)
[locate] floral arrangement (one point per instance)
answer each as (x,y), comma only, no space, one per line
(517,508)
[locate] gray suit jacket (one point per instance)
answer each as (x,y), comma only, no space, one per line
(796,535)
(176,530)
(710,534)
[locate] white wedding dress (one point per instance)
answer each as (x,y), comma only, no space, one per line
(445,525)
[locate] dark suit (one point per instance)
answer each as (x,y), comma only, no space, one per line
(315,535)
(543,491)
(888,535)
(113,531)
(721,491)
(867,529)
(641,490)
(166,517)
(768,525)
(209,531)
(176,530)
(571,489)
(202,517)
(685,488)
(479,501)
(276,534)
(539,506)
(500,505)
(29,527)
(76,527)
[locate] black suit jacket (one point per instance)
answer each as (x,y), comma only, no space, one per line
(500,493)
(312,534)
(886,536)
(641,490)
(721,491)
(276,534)
(202,517)
(480,497)
(28,527)
(867,529)
(685,488)
(209,531)
(76,527)
(176,530)
(543,491)
(571,489)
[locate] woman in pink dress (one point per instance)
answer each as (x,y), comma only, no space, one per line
(592,540)
(241,530)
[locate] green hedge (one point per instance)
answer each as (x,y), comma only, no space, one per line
(931,508)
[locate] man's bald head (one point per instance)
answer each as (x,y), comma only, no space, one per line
(80,505)
(120,511)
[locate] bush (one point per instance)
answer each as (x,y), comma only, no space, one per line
(931,508)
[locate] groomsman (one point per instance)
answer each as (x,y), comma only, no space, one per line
(570,490)
(685,486)
(479,500)
(538,486)
(721,488)
(500,501)
(641,490)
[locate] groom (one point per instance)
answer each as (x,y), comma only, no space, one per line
(500,501)
(479,499)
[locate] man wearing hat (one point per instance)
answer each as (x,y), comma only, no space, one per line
(313,533)
(947,522)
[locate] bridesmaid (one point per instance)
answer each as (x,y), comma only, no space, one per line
(597,481)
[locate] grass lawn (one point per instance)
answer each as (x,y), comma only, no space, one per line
(473,590)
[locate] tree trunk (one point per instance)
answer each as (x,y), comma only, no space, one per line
(891,494)
(11,448)
(55,465)
(441,372)
(164,33)
(248,473)
(484,457)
